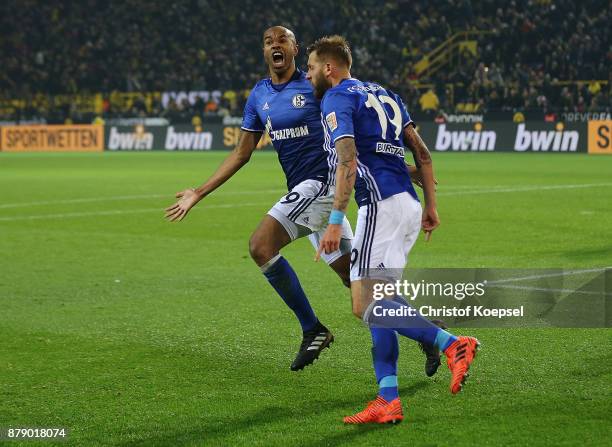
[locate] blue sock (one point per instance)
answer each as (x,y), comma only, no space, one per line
(385,352)
(444,339)
(414,326)
(286,283)
(388,388)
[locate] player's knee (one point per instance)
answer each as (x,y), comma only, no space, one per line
(259,250)
(358,310)
(357,300)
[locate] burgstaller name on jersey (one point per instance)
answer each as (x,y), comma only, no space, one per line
(388,148)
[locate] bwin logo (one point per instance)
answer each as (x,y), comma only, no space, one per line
(546,140)
(298,101)
(462,140)
(138,141)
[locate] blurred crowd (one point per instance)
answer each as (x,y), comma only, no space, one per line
(528,49)
(531,47)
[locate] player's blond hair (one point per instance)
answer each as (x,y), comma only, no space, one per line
(334,47)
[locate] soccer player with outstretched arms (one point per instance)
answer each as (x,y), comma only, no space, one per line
(285,107)
(370,129)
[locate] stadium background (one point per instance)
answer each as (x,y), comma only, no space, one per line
(190,63)
(131,331)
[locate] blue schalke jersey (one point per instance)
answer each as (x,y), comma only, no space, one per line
(376,119)
(292,117)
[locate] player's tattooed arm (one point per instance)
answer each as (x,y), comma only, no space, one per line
(422,159)
(417,146)
(240,156)
(415,175)
(346,172)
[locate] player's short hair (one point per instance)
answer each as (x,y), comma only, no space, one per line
(335,47)
(288,31)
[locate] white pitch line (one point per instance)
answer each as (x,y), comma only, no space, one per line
(550,275)
(113,212)
(527,188)
(128,197)
(84,200)
(488,190)
(153,196)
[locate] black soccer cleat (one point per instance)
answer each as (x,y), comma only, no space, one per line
(313,343)
(432,354)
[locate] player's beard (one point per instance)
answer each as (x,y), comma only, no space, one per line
(320,85)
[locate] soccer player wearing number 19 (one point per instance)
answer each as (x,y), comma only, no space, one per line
(370,129)
(284,106)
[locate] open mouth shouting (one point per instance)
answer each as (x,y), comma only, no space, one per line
(278,58)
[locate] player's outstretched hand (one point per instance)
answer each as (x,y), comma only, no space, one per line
(416,177)
(330,242)
(186,200)
(430,221)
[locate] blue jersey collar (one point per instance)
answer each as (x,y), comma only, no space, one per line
(296,75)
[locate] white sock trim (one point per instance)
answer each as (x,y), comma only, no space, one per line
(264,268)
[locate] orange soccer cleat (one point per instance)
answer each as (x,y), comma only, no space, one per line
(378,411)
(459,357)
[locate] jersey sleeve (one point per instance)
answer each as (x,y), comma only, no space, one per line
(250,120)
(338,112)
(406,119)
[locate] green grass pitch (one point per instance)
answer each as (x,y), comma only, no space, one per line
(130,330)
